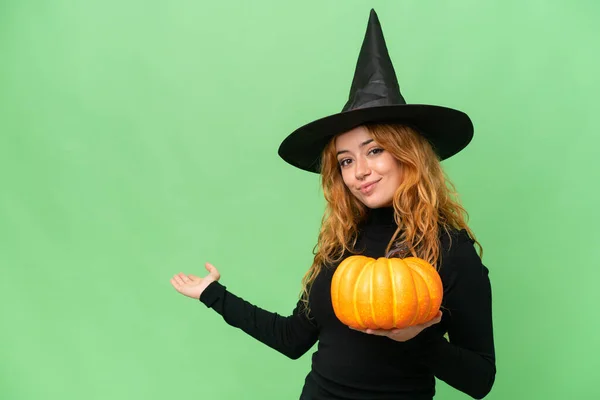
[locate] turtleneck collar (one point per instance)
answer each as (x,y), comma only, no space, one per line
(382,217)
(376,231)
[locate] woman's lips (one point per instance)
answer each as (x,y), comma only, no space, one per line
(368,188)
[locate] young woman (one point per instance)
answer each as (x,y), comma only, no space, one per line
(387,196)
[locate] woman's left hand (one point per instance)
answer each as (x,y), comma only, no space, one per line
(404,334)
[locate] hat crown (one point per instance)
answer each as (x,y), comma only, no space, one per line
(375,98)
(375,82)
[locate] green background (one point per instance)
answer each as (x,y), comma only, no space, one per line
(139,139)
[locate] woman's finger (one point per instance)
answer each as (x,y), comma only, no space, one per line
(184,278)
(358,329)
(378,332)
(434,321)
(212,270)
(178,280)
(437,318)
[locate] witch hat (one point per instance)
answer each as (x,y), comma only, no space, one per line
(375,97)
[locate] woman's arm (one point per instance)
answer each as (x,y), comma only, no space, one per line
(291,335)
(467,361)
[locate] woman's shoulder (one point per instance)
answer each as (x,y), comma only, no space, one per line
(459,253)
(452,238)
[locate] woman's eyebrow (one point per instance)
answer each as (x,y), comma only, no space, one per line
(366,142)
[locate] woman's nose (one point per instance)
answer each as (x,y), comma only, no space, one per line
(362,169)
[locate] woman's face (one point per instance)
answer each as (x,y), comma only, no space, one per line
(371,173)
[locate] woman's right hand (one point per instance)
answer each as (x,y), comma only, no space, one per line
(192,285)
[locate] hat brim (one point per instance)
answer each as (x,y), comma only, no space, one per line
(448,130)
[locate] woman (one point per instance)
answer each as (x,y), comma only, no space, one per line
(387,196)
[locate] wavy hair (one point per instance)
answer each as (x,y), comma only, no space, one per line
(425,202)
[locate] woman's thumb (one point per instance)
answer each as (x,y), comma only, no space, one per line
(212,270)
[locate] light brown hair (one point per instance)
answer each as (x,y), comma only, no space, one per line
(425,202)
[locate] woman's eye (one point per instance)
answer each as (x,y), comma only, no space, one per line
(344,162)
(376,151)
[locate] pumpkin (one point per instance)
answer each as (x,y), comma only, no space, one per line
(385,293)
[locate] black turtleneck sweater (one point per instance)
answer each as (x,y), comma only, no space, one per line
(349,364)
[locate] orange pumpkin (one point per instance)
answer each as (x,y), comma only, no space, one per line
(385,293)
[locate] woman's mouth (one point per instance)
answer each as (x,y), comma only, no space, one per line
(368,187)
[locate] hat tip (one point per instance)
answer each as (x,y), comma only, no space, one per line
(373,17)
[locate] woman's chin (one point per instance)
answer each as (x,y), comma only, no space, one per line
(373,202)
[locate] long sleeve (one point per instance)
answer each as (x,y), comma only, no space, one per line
(467,361)
(291,335)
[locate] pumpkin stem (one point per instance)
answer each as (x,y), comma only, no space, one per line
(398,251)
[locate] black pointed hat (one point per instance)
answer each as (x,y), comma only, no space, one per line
(375,97)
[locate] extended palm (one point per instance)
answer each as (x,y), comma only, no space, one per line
(192,285)
(404,334)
